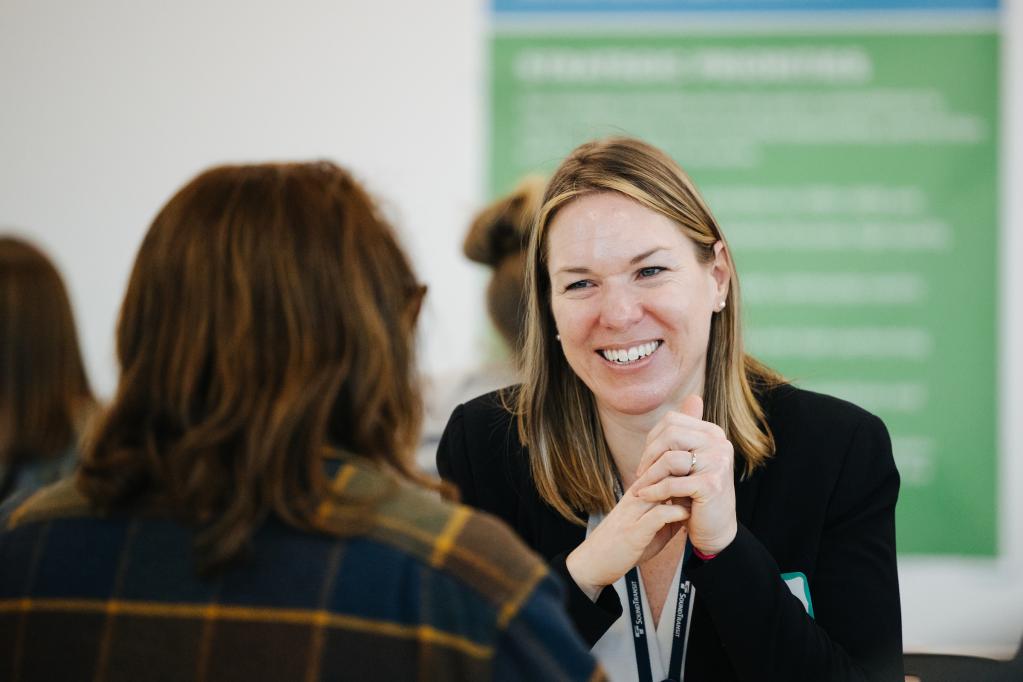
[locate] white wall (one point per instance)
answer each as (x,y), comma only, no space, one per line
(107,107)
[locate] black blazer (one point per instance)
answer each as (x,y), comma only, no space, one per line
(824,506)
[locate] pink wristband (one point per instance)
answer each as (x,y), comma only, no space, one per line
(701,555)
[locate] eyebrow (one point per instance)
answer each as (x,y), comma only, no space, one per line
(580,270)
(646,254)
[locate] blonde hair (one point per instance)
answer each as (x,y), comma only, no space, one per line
(570,460)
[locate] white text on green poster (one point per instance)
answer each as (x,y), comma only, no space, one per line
(856,177)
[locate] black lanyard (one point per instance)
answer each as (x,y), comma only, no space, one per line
(680,635)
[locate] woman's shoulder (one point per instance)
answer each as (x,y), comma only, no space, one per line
(820,431)
(484,428)
(828,445)
(480,452)
(489,411)
(788,406)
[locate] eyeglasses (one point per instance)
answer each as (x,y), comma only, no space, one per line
(415,301)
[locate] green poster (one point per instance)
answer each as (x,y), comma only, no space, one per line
(856,178)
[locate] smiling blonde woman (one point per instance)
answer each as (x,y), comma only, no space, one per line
(746,526)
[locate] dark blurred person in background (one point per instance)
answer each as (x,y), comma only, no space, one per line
(497,238)
(247,508)
(45,398)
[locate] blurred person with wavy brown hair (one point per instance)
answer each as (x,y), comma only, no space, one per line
(247,507)
(45,397)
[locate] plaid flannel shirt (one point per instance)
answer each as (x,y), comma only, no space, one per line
(424,590)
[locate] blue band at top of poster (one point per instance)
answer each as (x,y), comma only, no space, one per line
(711,6)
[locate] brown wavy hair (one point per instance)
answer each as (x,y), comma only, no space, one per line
(557,414)
(44,391)
(269,320)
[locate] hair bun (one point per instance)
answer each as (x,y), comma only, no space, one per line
(500,229)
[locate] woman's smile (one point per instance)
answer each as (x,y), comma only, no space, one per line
(630,355)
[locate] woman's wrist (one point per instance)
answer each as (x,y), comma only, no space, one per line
(703,557)
(711,549)
(574,563)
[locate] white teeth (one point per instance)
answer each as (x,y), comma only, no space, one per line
(626,355)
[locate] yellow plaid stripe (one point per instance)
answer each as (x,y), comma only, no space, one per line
(421,632)
(512,606)
(446,540)
(426,540)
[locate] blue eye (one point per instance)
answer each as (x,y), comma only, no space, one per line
(581,284)
(651,271)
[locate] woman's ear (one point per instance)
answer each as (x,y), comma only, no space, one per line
(721,270)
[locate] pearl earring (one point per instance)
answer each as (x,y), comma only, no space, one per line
(721,306)
(558,337)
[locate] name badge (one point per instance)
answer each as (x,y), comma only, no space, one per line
(800,588)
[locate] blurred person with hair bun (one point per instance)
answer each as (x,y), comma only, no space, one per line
(45,399)
(247,506)
(497,238)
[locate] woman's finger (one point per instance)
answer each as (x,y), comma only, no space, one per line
(672,486)
(630,507)
(659,516)
(684,421)
(671,439)
(671,463)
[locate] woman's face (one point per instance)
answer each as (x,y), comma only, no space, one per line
(631,302)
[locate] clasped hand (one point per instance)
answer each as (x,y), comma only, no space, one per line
(667,494)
